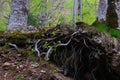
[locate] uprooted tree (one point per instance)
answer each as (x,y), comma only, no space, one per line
(83,54)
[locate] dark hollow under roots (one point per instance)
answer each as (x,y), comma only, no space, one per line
(84,59)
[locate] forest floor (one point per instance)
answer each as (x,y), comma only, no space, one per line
(13,66)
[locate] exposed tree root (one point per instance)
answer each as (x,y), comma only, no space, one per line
(84,54)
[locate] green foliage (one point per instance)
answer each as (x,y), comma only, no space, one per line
(114,32)
(33,20)
(90,9)
(103,28)
(32,55)
(3,27)
(4,11)
(19,78)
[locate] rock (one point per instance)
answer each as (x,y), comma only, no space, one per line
(6,64)
(42,71)
(34,65)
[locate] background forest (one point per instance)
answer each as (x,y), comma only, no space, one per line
(58,11)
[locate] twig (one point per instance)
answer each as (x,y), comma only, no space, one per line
(14,45)
(48,53)
(36,48)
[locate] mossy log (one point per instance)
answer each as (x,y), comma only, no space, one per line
(84,54)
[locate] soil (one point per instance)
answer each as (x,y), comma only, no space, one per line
(13,66)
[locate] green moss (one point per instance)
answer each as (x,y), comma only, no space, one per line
(18,39)
(17,36)
(37,35)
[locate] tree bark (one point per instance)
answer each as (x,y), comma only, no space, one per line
(109,12)
(44,13)
(19,15)
(117,4)
(102,10)
(80,9)
(111,16)
(75,11)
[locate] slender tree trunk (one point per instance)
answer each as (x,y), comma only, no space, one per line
(80,9)
(102,10)
(19,15)
(44,13)
(75,11)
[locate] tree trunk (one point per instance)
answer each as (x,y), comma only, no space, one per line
(102,10)
(44,13)
(118,13)
(109,12)
(75,11)
(19,15)
(80,9)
